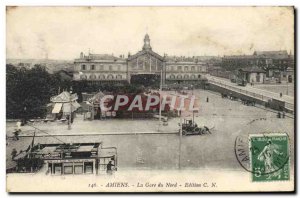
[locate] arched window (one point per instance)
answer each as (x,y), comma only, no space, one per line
(83,77)
(193,76)
(93,77)
(186,76)
(110,76)
(172,76)
(179,76)
(186,68)
(101,76)
(119,76)
(83,67)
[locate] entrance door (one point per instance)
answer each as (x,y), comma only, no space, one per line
(97,115)
(257,77)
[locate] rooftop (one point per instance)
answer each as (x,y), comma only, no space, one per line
(253,69)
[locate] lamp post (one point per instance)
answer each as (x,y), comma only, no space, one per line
(70,116)
(287,87)
(25,115)
(160,88)
(180,140)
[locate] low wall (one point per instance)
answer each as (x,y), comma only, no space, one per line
(272,103)
(235,94)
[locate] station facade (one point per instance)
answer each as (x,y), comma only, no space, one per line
(105,67)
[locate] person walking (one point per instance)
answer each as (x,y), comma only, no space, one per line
(13,154)
(109,169)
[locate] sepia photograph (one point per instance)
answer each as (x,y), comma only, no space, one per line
(150,99)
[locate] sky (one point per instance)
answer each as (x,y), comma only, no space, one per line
(64,32)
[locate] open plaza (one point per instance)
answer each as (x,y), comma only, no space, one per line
(144,144)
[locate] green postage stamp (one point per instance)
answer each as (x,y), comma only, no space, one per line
(269,157)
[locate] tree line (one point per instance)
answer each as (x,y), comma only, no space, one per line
(28,91)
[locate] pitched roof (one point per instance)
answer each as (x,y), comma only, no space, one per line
(253,69)
(140,53)
(63,97)
(181,59)
(96,98)
(239,57)
(102,57)
(272,54)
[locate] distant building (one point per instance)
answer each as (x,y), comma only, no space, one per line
(104,67)
(274,63)
(252,74)
(65,74)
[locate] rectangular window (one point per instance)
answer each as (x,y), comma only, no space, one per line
(179,68)
(83,67)
(101,67)
(68,169)
(193,68)
(78,169)
(57,169)
(88,167)
(110,68)
(92,67)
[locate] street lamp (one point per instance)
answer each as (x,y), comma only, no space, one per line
(287,87)
(70,116)
(25,116)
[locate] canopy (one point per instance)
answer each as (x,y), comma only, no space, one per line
(57,107)
(66,107)
(64,97)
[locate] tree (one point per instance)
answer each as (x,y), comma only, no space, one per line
(28,91)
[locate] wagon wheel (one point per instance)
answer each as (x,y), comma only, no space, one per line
(197,130)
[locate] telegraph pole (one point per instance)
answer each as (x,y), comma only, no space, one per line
(160,88)
(287,87)
(180,137)
(70,117)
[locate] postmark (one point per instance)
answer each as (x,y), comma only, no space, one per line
(265,156)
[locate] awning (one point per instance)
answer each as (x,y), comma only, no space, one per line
(66,107)
(57,107)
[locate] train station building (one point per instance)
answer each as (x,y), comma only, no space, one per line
(105,67)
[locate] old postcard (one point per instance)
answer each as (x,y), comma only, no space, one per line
(150,99)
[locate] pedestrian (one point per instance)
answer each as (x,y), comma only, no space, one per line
(278,115)
(109,169)
(13,153)
(207,99)
(16,135)
(18,124)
